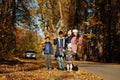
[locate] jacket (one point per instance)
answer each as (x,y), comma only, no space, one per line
(47,47)
(69,55)
(68,39)
(60,45)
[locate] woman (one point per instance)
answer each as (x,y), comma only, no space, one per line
(75,41)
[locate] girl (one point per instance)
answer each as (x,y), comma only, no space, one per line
(69,57)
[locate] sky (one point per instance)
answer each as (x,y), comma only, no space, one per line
(36,19)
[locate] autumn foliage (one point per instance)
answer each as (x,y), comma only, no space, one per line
(98,19)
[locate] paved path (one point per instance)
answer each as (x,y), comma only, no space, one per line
(107,71)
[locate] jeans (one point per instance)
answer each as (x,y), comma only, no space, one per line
(60,62)
(48,61)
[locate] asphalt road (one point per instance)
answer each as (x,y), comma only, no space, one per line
(107,71)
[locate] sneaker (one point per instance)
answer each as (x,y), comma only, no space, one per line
(62,69)
(51,68)
(70,70)
(58,68)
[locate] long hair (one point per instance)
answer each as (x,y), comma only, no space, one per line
(77,37)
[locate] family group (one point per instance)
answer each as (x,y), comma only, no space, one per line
(66,49)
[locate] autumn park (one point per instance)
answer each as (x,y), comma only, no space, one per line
(59,39)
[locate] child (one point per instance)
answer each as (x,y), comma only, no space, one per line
(69,57)
(48,51)
(69,37)
(60,48)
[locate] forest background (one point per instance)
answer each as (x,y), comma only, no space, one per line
(25,23)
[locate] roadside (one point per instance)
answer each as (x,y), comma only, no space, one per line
(107,71)
(34,70)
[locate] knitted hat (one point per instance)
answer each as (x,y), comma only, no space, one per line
(75,30)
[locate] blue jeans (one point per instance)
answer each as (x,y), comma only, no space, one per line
(48,61)
(60,62)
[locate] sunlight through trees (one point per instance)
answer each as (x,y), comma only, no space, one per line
(98,19)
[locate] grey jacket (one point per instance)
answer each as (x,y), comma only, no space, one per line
(69,55)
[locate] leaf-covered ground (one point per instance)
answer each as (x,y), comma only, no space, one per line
(35,70)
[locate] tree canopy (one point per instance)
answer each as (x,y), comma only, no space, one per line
(98,19)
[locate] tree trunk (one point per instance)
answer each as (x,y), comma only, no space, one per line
(7,28)
(67,14)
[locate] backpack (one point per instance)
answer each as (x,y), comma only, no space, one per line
(75,68)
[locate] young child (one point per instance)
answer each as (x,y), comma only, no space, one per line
(48,51)
(60,47)
(69,57)
(69,37)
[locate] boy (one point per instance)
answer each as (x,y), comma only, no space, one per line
(48,51)
(60,48)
